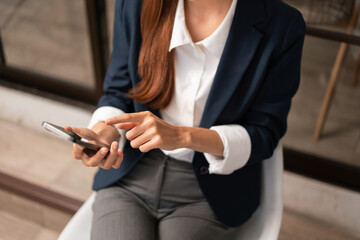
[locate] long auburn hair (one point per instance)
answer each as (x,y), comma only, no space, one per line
(156,64)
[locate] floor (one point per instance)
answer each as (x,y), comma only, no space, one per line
(44,160)
(16,228)
(298,227)
(21,218)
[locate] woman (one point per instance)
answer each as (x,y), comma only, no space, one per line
(196,96)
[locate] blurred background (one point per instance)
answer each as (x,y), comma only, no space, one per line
(53,56)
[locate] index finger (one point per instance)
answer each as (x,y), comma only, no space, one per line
(127,117)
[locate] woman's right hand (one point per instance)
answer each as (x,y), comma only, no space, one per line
(100,133)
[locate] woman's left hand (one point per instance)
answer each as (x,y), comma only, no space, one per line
(147,131)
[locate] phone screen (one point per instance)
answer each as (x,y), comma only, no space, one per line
(91,148)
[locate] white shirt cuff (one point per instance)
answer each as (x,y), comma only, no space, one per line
(103,113)
(237,149)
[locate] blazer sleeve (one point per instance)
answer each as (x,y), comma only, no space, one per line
(266,120)
(117,80)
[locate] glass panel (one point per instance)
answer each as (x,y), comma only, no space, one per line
(337,15)
(340,139)
(48,37)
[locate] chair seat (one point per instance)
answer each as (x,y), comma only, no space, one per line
(263,225)
(79,226)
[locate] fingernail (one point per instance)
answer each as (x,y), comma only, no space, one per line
(115,146)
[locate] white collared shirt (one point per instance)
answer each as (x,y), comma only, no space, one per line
(195,68)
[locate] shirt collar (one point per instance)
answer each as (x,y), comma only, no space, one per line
(214,43)
(180,35)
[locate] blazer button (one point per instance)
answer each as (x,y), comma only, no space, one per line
(204,170)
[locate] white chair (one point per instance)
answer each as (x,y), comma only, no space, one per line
(266,221)
(263,225)
(79,225)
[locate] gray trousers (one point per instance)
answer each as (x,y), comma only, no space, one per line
(159,199)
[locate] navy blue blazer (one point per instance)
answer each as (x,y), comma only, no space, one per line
(257,76)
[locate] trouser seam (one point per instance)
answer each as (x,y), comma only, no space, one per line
(160,184)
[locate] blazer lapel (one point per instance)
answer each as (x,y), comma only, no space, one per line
(239,50)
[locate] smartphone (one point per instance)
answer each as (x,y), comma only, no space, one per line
(90,148)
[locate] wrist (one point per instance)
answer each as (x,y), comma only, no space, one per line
(201,140)
(185,137)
